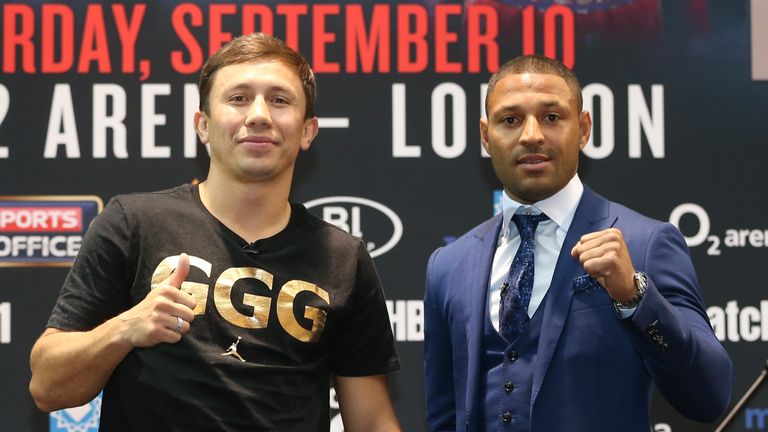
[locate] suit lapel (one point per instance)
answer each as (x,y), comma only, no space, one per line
(476,285)
(591,215)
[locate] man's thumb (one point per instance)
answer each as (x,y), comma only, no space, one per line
(181,272)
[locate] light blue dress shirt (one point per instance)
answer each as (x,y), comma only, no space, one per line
(549,239)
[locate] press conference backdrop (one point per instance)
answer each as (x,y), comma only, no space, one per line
(97,99)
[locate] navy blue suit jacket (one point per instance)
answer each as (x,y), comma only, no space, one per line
(593,370)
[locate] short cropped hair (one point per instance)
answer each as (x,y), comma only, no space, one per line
(537,65)
(253,48)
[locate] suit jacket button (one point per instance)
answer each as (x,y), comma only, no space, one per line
(660,342)
(652,329)
(508,386)
(512,355)
(507,417)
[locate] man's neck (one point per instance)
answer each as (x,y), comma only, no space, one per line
(254,211)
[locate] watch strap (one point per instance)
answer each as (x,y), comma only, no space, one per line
(641,285)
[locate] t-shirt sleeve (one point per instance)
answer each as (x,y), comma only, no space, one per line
(364,344)
(97,287)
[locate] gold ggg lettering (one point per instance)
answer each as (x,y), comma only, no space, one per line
(222,297)
(287,318)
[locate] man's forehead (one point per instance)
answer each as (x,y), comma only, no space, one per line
(237,74)
(513,85)
(257,63)
(530,79)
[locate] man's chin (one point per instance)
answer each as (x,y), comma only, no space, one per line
(531,193)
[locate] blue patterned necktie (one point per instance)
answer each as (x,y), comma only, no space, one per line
(516,291)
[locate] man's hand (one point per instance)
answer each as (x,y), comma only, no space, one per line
(605,257)
(69,368)
(154,319)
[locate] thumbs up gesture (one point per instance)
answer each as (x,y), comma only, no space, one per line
(181,272)
(164,315)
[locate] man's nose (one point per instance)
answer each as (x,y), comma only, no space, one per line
(531,133)
(258,113)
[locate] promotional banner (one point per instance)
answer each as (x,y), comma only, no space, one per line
(98,98)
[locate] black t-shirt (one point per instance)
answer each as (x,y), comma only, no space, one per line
(296,307)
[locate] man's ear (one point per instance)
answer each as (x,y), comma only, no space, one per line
(484,134)
(311,128)
(585,128)
(201,126)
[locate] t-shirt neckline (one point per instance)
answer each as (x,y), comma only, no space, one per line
(284,233)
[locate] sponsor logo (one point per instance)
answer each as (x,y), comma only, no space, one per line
(383,227)
(755,418)
(735,324)
(84,418)
(407,319)
(43,231)
(716,243)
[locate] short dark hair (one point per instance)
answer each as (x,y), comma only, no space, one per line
(537,65)
(252,48)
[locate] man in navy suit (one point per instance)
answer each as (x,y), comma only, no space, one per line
(614,302)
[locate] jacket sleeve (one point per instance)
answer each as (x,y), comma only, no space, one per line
(671,330)
(438,355)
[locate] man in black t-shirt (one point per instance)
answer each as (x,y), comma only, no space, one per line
(222,306)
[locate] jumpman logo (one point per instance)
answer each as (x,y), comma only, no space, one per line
(232,350)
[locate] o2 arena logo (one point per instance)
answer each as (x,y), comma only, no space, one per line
(376,223)
(84,418)
(44,231)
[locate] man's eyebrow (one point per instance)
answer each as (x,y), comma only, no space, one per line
(545,104)
(552,104)
(272,88)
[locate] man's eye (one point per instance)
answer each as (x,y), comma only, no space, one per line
(279,100)
(552,117)
(238,98)
(509,120)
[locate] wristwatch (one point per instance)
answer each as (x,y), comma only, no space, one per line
(641,283)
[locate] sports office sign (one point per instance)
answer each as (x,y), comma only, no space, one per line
(44,231)
(108,89)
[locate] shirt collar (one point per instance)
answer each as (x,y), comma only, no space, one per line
(560,207)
